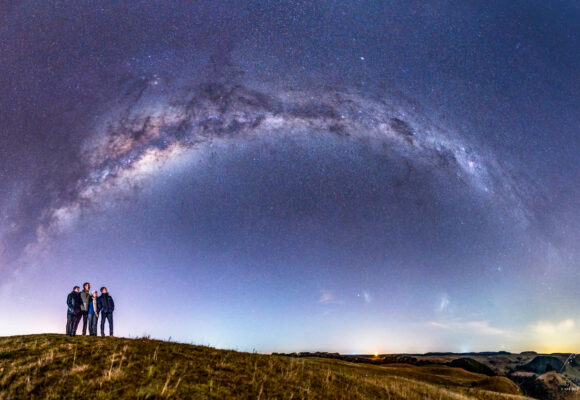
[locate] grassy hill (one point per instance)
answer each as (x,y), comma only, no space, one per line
(54,366)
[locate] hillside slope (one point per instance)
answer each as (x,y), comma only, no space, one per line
(54,366)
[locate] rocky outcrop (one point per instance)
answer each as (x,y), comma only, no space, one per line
(469,364)
(542,364)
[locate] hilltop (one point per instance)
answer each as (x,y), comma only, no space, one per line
(53,366)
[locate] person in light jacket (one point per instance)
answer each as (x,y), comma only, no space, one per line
(93,314)
(106,306)
(85,297)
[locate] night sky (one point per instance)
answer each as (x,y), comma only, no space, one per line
(350,176)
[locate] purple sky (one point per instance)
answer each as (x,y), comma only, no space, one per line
(397,176)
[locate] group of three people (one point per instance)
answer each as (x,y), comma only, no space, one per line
(88,307)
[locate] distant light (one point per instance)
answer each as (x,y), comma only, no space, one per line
(376,354)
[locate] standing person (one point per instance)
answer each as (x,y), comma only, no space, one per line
(73,302)
(93,315)
(86,297)
(106,305)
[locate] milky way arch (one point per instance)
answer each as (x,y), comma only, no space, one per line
(149,125)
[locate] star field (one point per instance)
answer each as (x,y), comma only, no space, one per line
(354,177)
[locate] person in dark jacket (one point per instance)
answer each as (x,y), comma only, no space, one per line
(73,302)
(93,316)
(106,306)
(85,297)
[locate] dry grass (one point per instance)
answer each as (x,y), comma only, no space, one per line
(56,367)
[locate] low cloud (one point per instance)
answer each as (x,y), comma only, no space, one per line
(555,336)
(472,327)
(367,297)
(545,328)
(443,303)
(328,297)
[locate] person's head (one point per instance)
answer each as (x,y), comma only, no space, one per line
(95,294)
(86,286)
(76,289)
(103,290)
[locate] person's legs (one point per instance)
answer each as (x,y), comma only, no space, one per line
(103,317)
(96,323)
(93,324)
(85,315)
(70,321)
(90,322)
(110,318)
(77,318)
